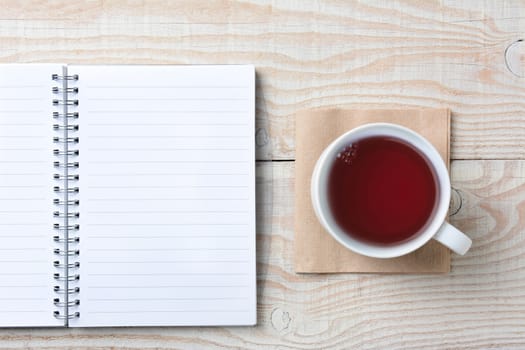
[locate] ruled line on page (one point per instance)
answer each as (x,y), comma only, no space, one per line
(23,161)
(22,199)
(24,262)
(22,124)
(21,99)
(20,299)
(163,161)
(114,149)
(22,137)
(167,99)
(191,117)
(162,249)
(221,236)
(20,311)
(21,86)
(167,224)
(168,286)
(20,149)
(24,286)
(166,187)
(172,274)
(165,174)
(165,124)
(168,262)
(109,212)
(124,199)
(24,224)
(124,299)
(168,86)
(163,111)
(21,174)
(23,186)
(22,211)
(17,111)
(169,311)
(167,137)
(22,249)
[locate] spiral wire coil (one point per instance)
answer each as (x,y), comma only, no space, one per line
(66,203)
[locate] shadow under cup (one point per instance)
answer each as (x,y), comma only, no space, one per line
(381,190)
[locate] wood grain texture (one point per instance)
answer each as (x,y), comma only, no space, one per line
(479,305)
(379,54)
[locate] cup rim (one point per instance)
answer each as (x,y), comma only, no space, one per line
(323,166)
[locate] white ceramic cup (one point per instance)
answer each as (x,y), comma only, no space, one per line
(436,228)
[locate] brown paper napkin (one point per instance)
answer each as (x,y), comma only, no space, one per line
(315,250)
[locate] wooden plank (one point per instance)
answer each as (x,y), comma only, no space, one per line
(381,54)
(377,54)
(479,305)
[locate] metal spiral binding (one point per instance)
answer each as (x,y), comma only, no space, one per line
(68,240)
(67,90)
(66,203)
(69,202)
(65,139)
(57,77)
(72,115)
(57,277)
(59,164)
(57,264)
(59,189)
(69,177)
(65,102)
(68,127)
(61,290)
(59,303)
(69,252)
(60,214)
(58,152)
(68,316)
(68,227)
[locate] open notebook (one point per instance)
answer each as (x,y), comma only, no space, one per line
(127,195)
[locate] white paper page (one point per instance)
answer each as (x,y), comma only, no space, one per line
(26,194)
(167,195)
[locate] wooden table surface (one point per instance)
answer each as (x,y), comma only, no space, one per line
(464,55)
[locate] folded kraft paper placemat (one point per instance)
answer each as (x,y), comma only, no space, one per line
(315,250)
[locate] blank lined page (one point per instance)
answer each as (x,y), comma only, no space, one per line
(167,195)
(26,194)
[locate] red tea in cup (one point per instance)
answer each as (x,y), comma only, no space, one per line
(382,190)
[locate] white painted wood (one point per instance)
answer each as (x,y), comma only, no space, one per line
(309,54)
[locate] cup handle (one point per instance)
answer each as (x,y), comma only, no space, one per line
(453,238)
